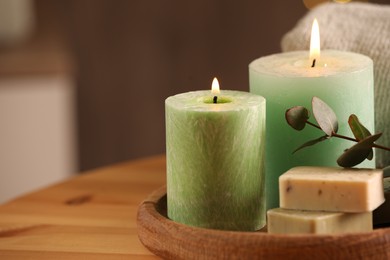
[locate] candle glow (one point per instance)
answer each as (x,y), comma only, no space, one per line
(315,41)
(215,86)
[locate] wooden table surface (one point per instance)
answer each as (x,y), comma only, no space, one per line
(92,216)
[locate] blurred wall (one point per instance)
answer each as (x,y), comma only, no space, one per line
(131,55)
(37,115)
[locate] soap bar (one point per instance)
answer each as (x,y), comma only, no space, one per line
(331,189)
(288,221)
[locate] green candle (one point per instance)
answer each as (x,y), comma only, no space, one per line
(215,151)
(344,80)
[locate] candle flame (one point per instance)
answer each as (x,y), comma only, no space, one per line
(315,41)
(215,86)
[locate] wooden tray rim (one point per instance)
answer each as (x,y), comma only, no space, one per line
(173,240)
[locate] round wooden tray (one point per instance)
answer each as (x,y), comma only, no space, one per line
(172,240)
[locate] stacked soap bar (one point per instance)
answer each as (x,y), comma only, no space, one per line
(326,200)
(317,222)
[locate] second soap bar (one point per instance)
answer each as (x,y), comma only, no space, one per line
(331,189)
(289,221)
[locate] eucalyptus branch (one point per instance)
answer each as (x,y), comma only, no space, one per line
(312,124)
(381,147)
(345,137)
(297,117)
(348,138)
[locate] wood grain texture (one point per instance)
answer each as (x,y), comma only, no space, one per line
(176,241)
(92,216)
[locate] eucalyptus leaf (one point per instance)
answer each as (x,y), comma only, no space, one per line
(358,153)
(296,117)
(359,131)
(312,142)
(325,116)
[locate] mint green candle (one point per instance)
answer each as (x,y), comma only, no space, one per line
(215,166)
(344,80)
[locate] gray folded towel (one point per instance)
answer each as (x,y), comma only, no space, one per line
(358,27)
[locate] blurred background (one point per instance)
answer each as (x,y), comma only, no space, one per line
(83,82)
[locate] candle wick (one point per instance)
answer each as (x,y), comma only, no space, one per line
(314,63)
(215,99)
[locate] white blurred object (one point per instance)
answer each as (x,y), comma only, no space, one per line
(37,133)
(357,27)
(17,20)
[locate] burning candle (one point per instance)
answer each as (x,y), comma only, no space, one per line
(344,80)
(215,159)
